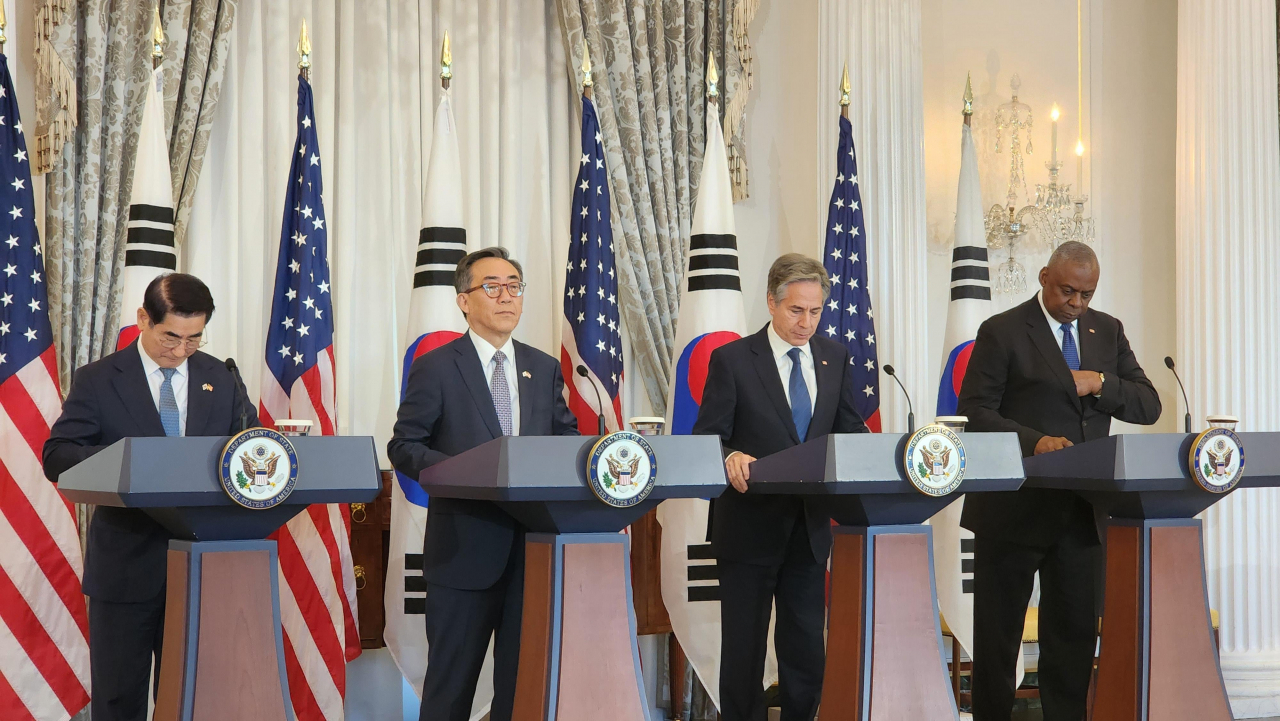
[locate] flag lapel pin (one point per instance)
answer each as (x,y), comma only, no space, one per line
(207,387)
(824,362)
(1092,330)
(527,374)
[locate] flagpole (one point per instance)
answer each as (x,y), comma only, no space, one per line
(446,62)
(157,38)
(844,93)
(587,84)
(968,99)
(3,23)
(304,52)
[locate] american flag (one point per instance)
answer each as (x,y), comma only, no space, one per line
(44,630)
(317,583)
(847,317)
(592,326)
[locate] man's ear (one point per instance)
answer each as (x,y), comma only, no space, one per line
(463,301)
(144,321)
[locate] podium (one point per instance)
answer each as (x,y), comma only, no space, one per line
(884,646)
(578,655)
(1158,659)
(223,650)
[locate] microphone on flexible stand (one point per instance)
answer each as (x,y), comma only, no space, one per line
(911,414)
(600,428)
(244,393)
(1186,420)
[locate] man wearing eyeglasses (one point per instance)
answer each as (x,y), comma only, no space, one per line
(159,385)
(479,387)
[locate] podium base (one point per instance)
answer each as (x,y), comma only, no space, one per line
(223,649)
(578,655)
(1158,659)
(884,644)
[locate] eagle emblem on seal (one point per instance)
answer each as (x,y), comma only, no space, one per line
(937,457)
(621,468)
(1220,457)
(260,466)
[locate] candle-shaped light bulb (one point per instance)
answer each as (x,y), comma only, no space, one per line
(1080,168)
(1053,143)
(1054,113)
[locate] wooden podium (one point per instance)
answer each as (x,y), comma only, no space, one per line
(884,645)
(578,655)
(1158,661)
(223,651)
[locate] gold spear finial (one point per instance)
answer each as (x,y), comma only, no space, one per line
(3,22)
(844,87)
(446,61)
(968,97)
(157,36)
(586,63)
(304,48)
(713,76)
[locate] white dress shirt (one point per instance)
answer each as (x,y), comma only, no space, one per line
(780,350)
(155,376)
(486,353)
(1056,327)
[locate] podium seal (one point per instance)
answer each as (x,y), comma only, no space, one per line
(1217,460)
(621,469)
(258,468)
(934,460)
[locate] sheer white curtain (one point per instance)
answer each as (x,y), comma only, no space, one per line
(375,77)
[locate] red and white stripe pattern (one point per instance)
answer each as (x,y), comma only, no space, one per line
(317,583)
(44,628)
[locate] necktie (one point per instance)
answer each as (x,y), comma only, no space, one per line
(1069,351)
(169,404)
(501,392)
(801,413)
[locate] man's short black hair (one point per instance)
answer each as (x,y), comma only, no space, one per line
(462,274)
(177,293)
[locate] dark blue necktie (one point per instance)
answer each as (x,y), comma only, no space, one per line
(1069,351)
(801,413)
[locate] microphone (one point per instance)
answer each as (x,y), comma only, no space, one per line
(1186,420)
(600,428)
(911,414)
(244,393)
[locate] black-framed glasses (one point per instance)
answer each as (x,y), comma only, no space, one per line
(493,290)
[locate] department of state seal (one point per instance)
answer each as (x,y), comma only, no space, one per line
(934,460)
(621,469)
(258,468)
(1217,460)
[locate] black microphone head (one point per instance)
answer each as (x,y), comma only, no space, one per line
(887,368)
(1168,362)
(582,370)
(231,364)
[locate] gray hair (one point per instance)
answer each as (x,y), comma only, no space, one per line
(1075,253)
(462,274)
(796,268)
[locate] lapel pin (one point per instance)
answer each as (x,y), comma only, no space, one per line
(824,362)
(1092,330)
(527,374)
(207,387)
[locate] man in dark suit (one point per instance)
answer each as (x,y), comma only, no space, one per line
(1055,372)
(160,385)
(765,393)
(481,386)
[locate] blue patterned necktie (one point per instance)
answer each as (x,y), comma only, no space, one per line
(1069,351)
(801,412)
(501,392)
(169,404)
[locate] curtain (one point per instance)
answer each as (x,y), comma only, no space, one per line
(88,183)
(650,63)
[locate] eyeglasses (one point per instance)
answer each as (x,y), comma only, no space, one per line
(493,290)
(192,344)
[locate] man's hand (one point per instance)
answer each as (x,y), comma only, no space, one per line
(738,466)
(1049,444)
(1088,383)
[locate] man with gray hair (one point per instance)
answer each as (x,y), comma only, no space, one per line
(1055,372)
(765,393)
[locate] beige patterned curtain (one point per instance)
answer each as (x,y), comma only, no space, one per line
(650,60)
(105,46)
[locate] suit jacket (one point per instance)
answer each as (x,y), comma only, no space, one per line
(447,410)
(744,403)
(109,400)
(1018,381)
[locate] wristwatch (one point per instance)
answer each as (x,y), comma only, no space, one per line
(1102,379)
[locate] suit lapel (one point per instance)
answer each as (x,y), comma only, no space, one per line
(468,362)
(828,381)
(767,369)
(131,385)
(1042,337)
(199,400)
(524,384)
(1089,358)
